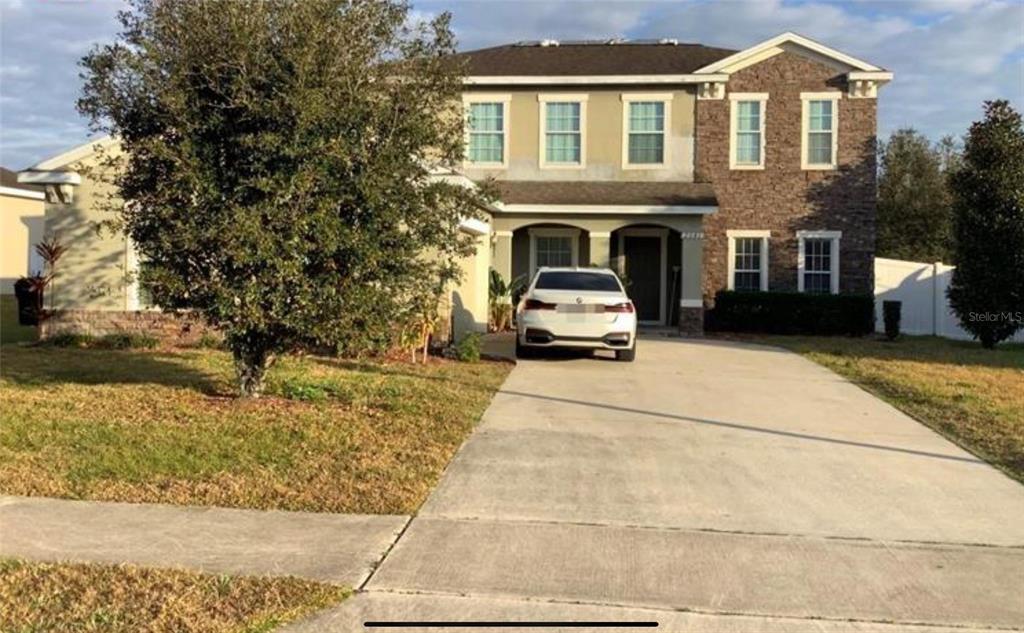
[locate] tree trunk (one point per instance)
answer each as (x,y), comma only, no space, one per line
(988,340)
(251,364)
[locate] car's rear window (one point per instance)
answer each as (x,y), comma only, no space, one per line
(564,280)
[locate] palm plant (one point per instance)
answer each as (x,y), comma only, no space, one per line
(500,299)
(50,250)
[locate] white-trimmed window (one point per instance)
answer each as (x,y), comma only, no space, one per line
(563,121)
(487,130)
(748,260)
(645,124)
(137,294)
(553,247)
(818,263)
(820,130)
(746,129)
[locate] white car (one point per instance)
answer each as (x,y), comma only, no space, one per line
(581,308)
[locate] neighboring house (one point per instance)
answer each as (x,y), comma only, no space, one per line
(21,225)
(687,168)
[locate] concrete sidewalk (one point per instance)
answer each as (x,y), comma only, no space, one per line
(377,605)
(335,548)
(712,487)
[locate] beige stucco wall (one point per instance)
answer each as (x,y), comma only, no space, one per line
(21,228)
(468,297)
(603,138)
(92,275)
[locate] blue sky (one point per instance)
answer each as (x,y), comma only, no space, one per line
(948,55)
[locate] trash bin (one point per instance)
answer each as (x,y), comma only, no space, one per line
(29,292)
(891,317)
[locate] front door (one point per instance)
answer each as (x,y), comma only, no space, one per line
(642,256)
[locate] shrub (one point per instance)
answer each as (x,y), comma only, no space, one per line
(468,349)
(126,340)
(70,339)
(792,313)
(121,340)
(891,315)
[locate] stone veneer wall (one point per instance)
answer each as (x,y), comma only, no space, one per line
(170,328)
(691,321)
(782,197)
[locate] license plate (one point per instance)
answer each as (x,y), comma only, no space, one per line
(580,308)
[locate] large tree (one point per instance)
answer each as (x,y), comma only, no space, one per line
(275,174)
(914,215)
(987,291)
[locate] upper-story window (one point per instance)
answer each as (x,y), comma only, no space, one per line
(820,130)
(563,125)
(487,130)
(646,123)
(746,130)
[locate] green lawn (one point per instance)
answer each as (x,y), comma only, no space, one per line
(10,331)
(164,426)
(973,396)
(72,598)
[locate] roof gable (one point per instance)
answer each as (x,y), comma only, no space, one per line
(73,155)
(788,42)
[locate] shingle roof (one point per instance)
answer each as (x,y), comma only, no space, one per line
(9,178)
(606,193)
(590,59)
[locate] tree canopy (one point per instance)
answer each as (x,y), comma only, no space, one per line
(987,290)
(914,214)
(275,174)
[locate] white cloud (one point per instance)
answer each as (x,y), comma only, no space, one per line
(948,55)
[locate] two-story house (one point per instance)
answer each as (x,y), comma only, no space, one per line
(687,168)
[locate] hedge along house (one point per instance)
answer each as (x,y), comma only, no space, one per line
(688,169)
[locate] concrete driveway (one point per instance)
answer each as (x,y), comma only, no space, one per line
(708,486)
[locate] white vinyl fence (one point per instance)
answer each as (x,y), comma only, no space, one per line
(922,289)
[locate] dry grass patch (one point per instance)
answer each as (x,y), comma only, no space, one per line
(164,426)
(113,599)
(973,396)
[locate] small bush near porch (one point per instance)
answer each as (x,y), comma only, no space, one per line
(973,396)
(165,426)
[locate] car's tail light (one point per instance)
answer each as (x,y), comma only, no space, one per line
(626,306)
(534,304)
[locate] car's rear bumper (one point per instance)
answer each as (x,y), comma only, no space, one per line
(548,328)
(539,337)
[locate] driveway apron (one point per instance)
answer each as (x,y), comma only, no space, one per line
(708,486)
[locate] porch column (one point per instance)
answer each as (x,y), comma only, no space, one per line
(502,260)
(600,250)
(691,302)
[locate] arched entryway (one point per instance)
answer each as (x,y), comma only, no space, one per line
(548,244)
(647,258)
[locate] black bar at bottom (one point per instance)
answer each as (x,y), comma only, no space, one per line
(526,625)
